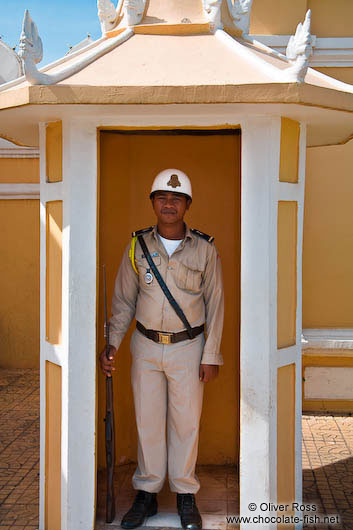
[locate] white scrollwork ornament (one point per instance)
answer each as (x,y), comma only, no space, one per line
(107,14)
(31,51)
(240,11)
(31,46)
(134,10)
(212,9)
(298,51)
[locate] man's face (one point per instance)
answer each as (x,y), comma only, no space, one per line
(170,207)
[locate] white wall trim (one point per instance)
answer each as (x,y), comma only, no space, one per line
(327,339)
(9,149)
(18,197)
(19,191)
(19,152)
(328,383)
(327,51)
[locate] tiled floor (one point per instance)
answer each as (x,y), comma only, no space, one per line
(19,449)
(327,468)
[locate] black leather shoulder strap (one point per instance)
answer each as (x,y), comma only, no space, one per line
(164,287)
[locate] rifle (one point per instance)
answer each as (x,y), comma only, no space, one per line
(109,422)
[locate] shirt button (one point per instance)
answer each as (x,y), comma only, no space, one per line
(170,268)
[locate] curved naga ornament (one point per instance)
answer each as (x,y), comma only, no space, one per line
(108,14)
(212,10)
(31,50)
(31,46)
(298,52)
(240,12)
(133,11)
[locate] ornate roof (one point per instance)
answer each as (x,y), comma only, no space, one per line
(148,42)
(175,51)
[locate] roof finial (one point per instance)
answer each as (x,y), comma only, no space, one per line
(298,51)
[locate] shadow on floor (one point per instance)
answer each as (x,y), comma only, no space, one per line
(328,467)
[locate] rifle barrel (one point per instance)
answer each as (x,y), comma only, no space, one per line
(109,421)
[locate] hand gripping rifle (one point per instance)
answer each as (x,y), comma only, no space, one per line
(109,421)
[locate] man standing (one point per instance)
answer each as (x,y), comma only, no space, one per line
(172,359)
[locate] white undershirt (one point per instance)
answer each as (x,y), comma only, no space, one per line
(170,244)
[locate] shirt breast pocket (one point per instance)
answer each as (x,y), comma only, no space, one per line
(188,278)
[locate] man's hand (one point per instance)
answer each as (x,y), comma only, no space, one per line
(208,372)
(108,365)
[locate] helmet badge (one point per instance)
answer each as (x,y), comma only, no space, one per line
(173,181)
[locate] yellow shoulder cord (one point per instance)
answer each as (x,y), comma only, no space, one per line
(132,253)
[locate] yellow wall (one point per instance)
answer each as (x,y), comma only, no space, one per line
(286,273)
(15,170)
(54,225)
(286,437)
(52,515)
(289,159)
(19,268)
(53,150)
(280,17)
(331,18)
(328,236)
(128,166)
(19,283)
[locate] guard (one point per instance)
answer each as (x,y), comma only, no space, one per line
(170,279)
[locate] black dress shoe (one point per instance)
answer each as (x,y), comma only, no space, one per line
(189,514)
(145,505)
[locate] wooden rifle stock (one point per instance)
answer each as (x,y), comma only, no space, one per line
(109,423)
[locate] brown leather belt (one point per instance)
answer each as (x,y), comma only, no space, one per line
(164,337)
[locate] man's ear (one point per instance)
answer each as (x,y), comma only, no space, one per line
(188,203)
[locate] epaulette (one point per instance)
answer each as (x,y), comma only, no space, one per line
(143,231)
(208,238)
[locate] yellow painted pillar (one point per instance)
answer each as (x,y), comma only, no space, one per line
(290,197)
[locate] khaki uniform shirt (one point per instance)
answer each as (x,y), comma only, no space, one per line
(193,275)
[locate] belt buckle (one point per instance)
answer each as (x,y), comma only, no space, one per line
(164,338)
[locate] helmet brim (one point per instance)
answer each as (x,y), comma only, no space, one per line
(176,192)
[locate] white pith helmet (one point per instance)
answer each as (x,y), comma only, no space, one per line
(172,180)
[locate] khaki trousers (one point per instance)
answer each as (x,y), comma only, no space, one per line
(168,400)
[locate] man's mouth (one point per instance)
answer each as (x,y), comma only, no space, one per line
(168,212)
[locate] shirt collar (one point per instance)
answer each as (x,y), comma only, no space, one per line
(188,234)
